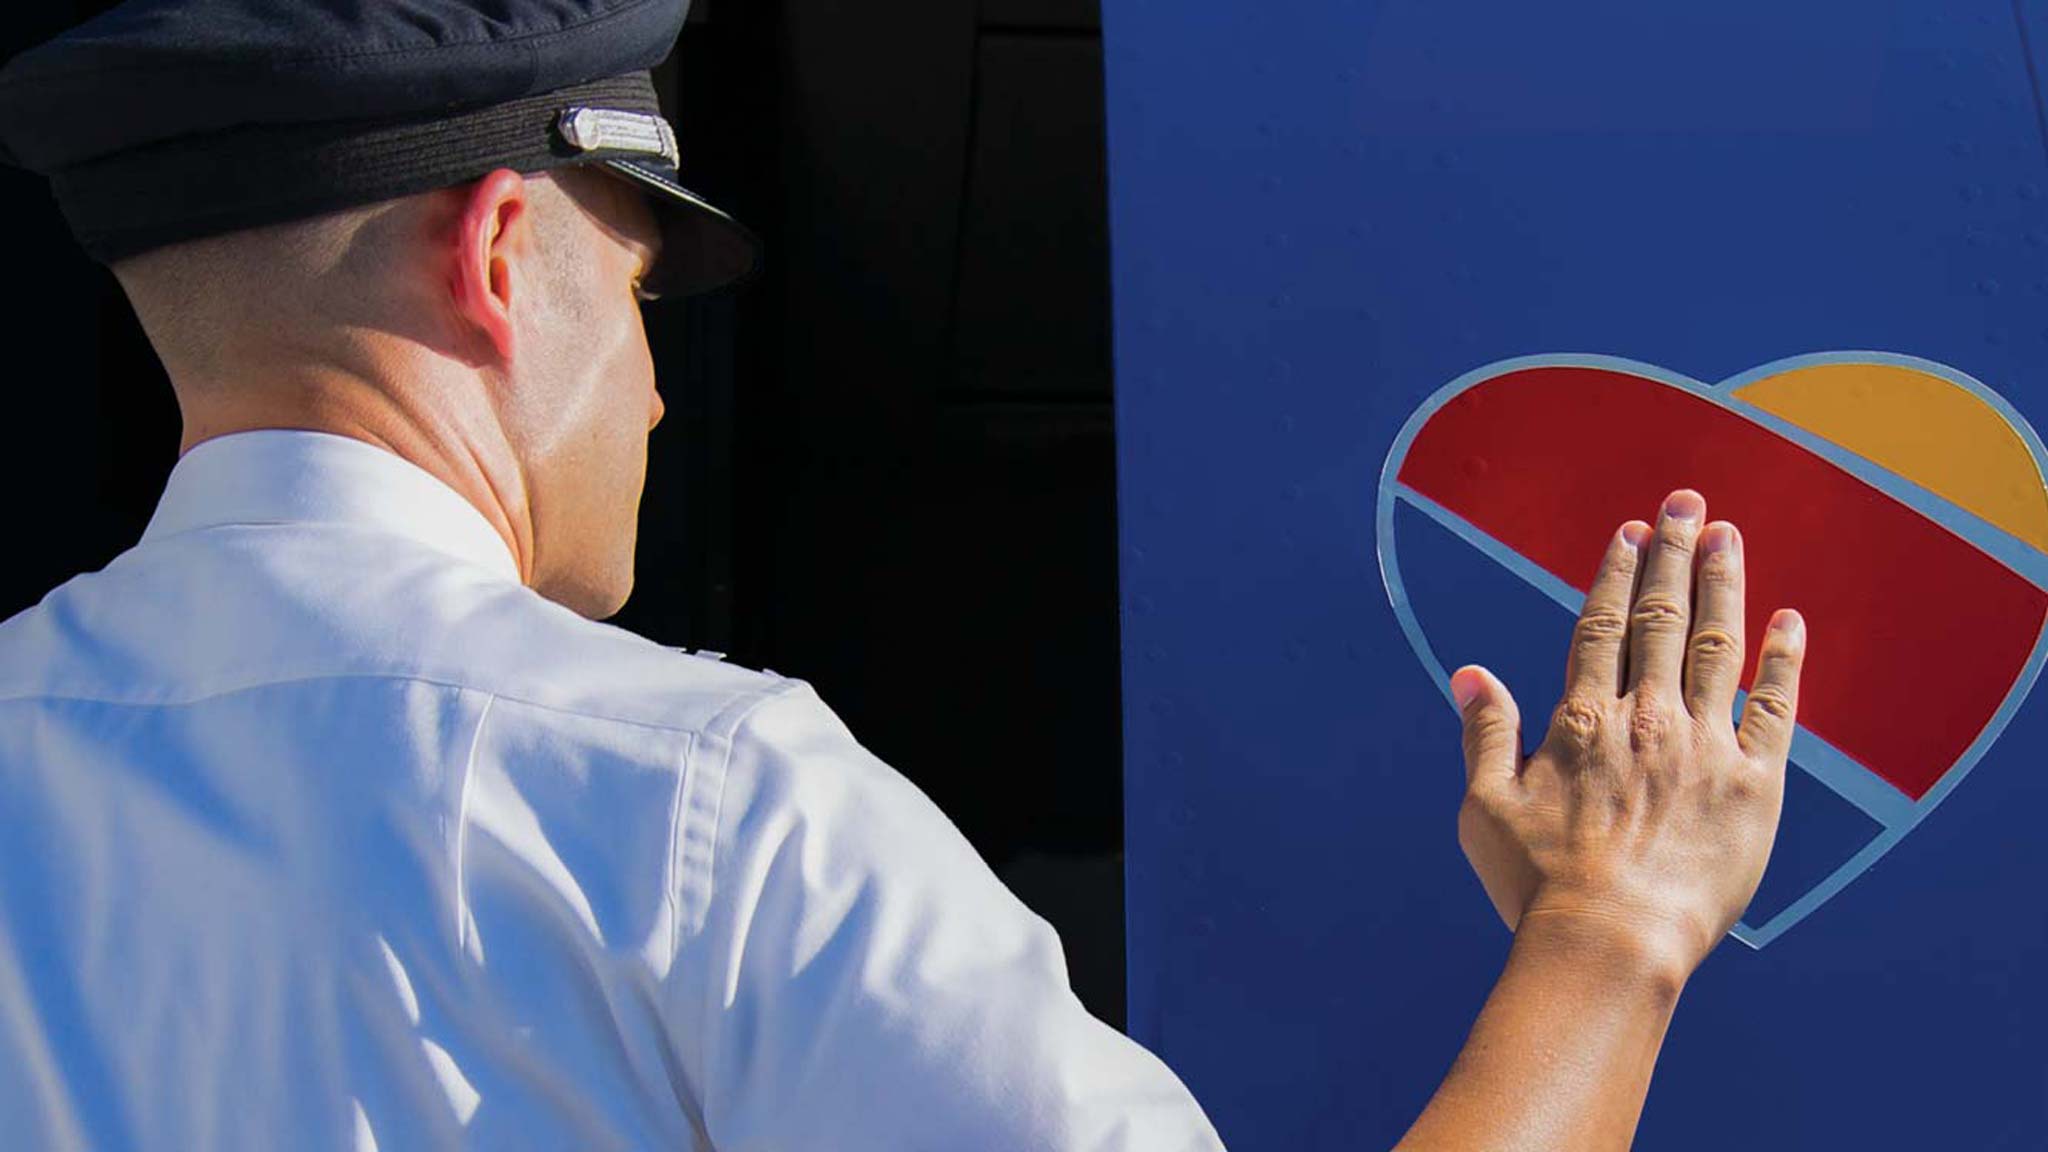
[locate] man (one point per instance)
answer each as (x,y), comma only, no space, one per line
(329,817)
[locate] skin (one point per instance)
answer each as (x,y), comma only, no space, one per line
(489,333)
(1626,847)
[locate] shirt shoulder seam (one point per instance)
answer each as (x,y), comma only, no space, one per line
(734,717)
(702,808)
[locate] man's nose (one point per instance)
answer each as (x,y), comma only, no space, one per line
(660,409)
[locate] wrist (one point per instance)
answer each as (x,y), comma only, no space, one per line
(1624,952)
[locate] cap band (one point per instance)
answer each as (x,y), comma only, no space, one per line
(254,175)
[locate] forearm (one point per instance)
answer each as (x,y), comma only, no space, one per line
(1561,1055)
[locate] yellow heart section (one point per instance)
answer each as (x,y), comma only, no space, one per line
(1931,431)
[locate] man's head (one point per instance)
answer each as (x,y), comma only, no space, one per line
(489,332)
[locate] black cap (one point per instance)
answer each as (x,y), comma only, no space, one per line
(169,120)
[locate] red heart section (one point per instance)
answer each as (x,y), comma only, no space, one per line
(1917,636)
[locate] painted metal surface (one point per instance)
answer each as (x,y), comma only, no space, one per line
(1332,219)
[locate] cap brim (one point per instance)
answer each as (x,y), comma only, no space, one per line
(703,249)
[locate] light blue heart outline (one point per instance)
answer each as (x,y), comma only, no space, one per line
(1895,813)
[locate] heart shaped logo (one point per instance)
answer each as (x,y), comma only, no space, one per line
(1898,503)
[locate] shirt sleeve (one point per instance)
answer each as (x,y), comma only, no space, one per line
(872,987)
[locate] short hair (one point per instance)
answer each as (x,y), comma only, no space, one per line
(329,269)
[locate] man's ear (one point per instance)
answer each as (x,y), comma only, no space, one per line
(493,237)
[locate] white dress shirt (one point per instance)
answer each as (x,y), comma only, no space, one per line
(319,830)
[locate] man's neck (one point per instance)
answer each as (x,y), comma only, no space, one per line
(470,455)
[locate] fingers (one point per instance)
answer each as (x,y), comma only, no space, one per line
(1713,657)
(1599,641)
(1493,724)
(1660,620)
(1773,708)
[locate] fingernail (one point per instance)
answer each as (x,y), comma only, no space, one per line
(1789,622)
(1720,536)
(1636,533)
(1465,686)
(1685,504)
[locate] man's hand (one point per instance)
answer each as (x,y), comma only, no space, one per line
(1625,848)
(1646,814)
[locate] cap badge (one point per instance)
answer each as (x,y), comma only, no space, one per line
(589,129)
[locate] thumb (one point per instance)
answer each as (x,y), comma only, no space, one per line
(1493,724)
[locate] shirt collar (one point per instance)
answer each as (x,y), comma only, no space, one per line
(288,476)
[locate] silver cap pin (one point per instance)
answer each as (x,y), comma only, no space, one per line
(591,129)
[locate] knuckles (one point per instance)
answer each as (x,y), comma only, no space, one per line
(1621,561)
(1649,728)
(1771,702)
(1741,786)
(1601,626)
(1778,648)
(1656,612)
(1714,644)
(1675,539)
(1720,572)
(1578,723)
